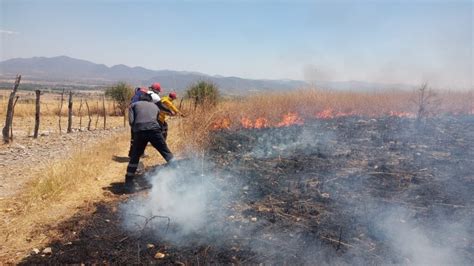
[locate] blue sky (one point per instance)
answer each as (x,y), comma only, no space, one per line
(378,41)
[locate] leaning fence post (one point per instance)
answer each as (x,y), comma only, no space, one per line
(89,115)
(9,115)
(37,113)
(13,113)
(69,114)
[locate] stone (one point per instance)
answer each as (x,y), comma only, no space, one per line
(48,251)
(160,255)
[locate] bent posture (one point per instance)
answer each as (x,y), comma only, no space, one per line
(142,118)
(167,101)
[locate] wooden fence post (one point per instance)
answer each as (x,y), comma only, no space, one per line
(89,115)
(105,112)
(13,114)
(69,114)
(80,115)
(37,113)
(98,114)
(9,116)
(60,110)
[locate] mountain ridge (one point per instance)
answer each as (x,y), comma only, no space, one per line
(78,71)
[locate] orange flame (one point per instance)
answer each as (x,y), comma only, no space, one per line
(290,119)
(293,118)
(246,123)
(222,123)
(261,122)
(402,114)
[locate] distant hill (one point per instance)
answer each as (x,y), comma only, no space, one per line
(66,70)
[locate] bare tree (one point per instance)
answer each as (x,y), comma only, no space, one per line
(425,101)
(9,117)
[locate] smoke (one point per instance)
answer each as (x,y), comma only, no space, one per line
(279,142)
(419,244)
(363,214)
(189,195)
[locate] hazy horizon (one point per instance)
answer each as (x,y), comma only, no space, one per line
(406,42)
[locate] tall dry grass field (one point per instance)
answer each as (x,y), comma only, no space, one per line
(270,109)
(50,104)
(327,104)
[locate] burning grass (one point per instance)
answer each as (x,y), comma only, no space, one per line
(292,108)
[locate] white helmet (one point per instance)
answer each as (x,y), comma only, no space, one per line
(154,97)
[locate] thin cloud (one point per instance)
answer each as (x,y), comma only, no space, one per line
(8,32)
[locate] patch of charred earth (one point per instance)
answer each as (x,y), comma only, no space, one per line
(331,181)
(304,194)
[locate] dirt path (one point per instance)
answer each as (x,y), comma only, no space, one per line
(22,228)
(23,158)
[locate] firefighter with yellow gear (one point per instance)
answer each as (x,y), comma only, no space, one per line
(167,102)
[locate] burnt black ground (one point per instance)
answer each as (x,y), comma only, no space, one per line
(319,193)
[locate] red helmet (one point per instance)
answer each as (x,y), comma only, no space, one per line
(156,87)
(173,95)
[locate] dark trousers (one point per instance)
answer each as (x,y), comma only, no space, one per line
(140,140)
(131,143)
(164,129)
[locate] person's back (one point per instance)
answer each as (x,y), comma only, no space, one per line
(143,116)
(145,127)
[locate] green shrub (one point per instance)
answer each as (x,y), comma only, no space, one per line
(203,93)
(121,93)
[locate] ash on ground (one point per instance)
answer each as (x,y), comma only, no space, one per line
(342,191)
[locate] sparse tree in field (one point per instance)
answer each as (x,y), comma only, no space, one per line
(203,93)
(121,93)
(425,101)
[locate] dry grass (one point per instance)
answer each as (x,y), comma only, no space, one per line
(53,194)
(310,104)
(50,104)
(192,132)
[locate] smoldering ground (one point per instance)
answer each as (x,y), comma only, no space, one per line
(341,191)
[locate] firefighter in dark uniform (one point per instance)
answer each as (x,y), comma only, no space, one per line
(156,88)
(142,119)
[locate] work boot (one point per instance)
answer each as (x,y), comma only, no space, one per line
(129,185)
(173,163)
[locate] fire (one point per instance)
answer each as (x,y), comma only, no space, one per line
(290,119)
(293,118)
(261,122)
(330,113)
(402,114)
(222,123)
(325,114)
(246,123)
